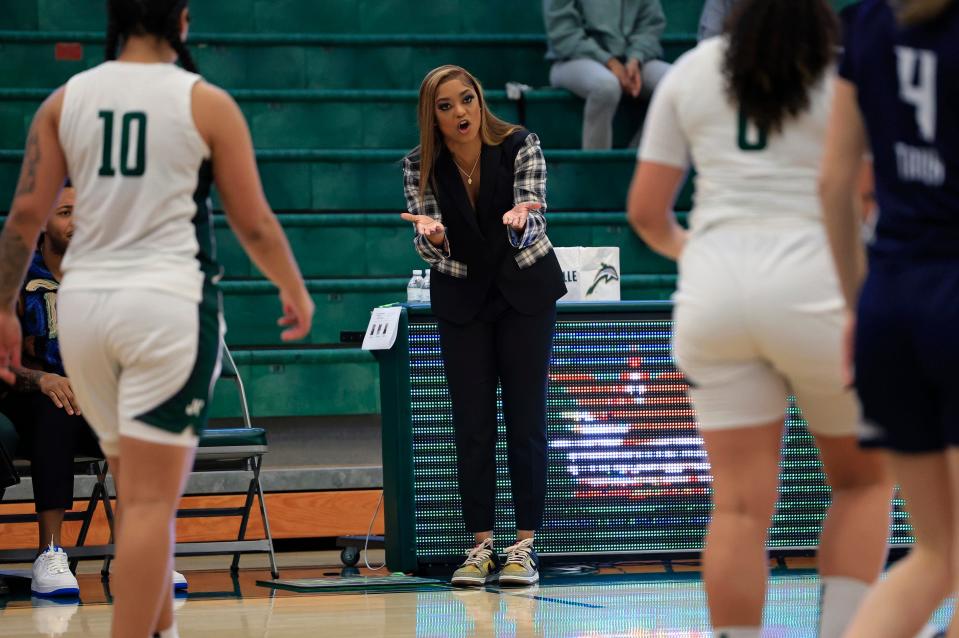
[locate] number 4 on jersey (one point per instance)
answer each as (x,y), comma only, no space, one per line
(917,86)
(128,168)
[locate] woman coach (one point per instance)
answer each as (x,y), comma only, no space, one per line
(475,189)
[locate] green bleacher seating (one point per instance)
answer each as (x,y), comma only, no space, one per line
(376,245)
(341,305)
(302,382)
(371,180)
(300,16)
(350,119)
(307,61)
(329,88)
(332,245)
(332,16)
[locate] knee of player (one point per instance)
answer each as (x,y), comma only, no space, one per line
(872,476)
(754,504)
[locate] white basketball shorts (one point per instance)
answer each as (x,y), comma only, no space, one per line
(142,363)
(759,315)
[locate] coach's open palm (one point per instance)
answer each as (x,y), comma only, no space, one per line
(516,217)
(10,344)
(425,225)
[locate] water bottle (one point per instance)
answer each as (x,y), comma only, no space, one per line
(415,287)
(425,291)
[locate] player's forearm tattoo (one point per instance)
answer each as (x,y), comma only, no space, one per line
(27,380)
(14,258)
(31,158)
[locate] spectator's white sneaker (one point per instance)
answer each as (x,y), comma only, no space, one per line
(179,581)
(51,574)
(51,617)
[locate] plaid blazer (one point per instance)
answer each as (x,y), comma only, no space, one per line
(480,253)
(529,185)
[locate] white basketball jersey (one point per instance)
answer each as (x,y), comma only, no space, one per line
(142,178)
(742,173)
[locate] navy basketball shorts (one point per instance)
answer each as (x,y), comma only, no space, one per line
(907,355)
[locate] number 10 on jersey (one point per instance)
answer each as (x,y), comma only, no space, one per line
(131,164)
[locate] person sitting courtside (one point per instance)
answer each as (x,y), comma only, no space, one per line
(44,409)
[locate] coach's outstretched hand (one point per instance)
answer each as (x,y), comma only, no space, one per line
(516,217)
(425,225)
(10,344)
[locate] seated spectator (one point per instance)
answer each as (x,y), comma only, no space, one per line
(43,408)
(713,19)
(602,49)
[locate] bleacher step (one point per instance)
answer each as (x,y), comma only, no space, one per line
(346,180)
(319,119)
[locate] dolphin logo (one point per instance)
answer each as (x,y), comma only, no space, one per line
(606,273)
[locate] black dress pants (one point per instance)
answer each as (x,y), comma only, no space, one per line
(50,438)
(506,346)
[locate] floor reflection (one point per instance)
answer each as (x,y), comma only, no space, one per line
(632,605)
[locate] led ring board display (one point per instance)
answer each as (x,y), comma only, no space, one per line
(627,470)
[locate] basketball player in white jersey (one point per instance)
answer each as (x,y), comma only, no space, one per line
(141,140)
(758,311)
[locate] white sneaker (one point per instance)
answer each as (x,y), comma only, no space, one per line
(51,574)
(179,581)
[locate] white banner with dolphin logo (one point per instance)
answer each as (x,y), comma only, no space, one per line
(591,273)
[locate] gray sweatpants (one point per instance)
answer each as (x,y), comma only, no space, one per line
(596,84)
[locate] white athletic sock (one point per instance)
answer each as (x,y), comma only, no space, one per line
(736,632)
(840,600)
(929,631)
(169,633)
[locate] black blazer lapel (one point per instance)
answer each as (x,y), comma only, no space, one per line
(449,180)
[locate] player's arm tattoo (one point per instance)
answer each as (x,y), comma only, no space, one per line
(15,254)
(27,380)
(15,251)
(31,158)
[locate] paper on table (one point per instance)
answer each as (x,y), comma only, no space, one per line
(381,332)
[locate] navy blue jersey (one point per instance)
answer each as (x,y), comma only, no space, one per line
(908,86)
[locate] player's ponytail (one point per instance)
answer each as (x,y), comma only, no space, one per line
(113,39)
(172,35)
(778,50)
(160,18)
(919,11)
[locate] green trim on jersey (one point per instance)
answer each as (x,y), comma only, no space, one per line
(191,405)
(203,224)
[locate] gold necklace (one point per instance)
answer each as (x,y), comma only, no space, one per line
(469,176)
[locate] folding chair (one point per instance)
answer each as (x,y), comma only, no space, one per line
(86,462)
(221,447)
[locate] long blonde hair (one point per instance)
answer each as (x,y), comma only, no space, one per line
(492,129)
(919,11)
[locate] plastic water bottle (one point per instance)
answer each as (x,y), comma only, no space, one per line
(414,289)
(425,290)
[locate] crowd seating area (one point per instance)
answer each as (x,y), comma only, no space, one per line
(329,88)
